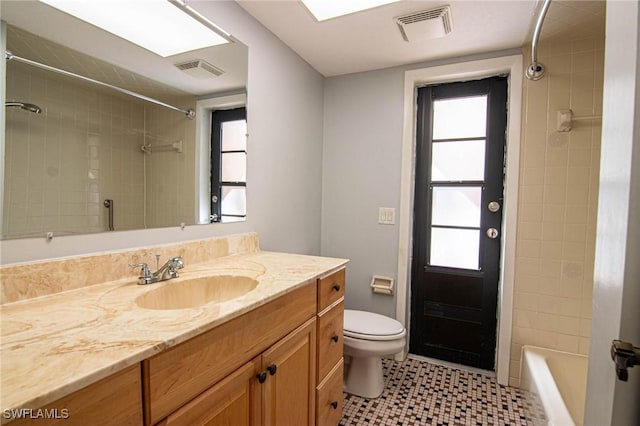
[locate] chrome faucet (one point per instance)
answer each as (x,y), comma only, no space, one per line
(166,272)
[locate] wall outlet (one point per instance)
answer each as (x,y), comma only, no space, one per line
(387,216)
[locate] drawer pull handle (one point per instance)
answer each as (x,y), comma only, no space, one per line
(334,405)
(336,287)
(262,377)
(335,338)
(272,369)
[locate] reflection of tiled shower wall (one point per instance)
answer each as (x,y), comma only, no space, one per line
(558,201)
(84,148)
(170,175)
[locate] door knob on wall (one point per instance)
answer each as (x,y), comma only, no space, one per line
(625,356)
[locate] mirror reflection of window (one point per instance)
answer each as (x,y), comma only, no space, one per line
(228,165)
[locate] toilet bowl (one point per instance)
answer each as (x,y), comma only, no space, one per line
(367,338)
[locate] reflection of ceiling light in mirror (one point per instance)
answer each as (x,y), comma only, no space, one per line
(156,25)
(327,9)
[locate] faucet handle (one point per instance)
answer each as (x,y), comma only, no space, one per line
(144,268)
(145,272)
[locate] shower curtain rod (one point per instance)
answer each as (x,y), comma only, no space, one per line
(535,71)
(190,113)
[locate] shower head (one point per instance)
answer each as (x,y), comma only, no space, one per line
(27,107)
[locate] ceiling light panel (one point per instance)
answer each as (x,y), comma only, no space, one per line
(327,9)
(156,25)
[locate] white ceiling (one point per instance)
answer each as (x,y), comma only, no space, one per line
(371,40)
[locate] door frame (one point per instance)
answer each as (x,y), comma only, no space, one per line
(477,69)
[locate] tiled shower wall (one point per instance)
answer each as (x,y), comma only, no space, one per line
(84,148)
(558,198)
(170,175)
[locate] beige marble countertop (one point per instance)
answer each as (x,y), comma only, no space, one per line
(54,345)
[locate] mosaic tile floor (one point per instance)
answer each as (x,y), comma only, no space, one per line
(419,393)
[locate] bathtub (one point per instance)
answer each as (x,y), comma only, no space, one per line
(559,379)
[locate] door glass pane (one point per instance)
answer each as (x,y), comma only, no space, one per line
(234,200)
(460,118)
(456,206)
(459,160)
(234,135)
(455,248)
(234,167)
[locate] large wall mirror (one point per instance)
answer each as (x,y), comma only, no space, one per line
(81,157)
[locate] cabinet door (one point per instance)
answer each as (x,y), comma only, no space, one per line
(234,401)
(289,388)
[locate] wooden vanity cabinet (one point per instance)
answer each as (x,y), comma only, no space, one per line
(175,377)
(279,364)
(275,388)
(276,365)
(329,397)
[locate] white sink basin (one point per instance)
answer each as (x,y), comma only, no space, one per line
(196,292)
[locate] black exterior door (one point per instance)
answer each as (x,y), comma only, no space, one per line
(457,220)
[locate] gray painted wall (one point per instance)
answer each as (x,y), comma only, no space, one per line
(361,160)
(284,104)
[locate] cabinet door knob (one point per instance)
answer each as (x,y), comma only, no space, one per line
(272,369)
(262,376)
(335,338)
(336,287)
(334,405)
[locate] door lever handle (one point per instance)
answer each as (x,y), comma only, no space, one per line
(625,356)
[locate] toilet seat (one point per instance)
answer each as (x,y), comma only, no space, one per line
(371,326)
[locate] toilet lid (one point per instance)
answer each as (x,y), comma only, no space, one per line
(371,326)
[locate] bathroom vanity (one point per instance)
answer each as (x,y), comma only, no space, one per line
(93,355)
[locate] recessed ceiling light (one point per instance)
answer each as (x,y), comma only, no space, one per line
(327,9)
(156,25)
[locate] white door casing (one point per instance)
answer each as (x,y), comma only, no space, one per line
(511,65)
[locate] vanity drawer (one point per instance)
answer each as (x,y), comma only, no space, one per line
(177,375)
(329,398)
(330,339)
(330,289)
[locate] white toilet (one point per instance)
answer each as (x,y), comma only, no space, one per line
(367,338)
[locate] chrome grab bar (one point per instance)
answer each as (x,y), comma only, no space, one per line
(109,205)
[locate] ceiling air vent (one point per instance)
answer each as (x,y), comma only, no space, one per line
(200,69)
(425,25)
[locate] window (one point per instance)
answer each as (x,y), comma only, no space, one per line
(228,165)
(457,180)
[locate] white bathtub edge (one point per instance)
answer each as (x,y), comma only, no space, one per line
(536,377)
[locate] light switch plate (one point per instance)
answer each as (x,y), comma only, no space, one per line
(387,216)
